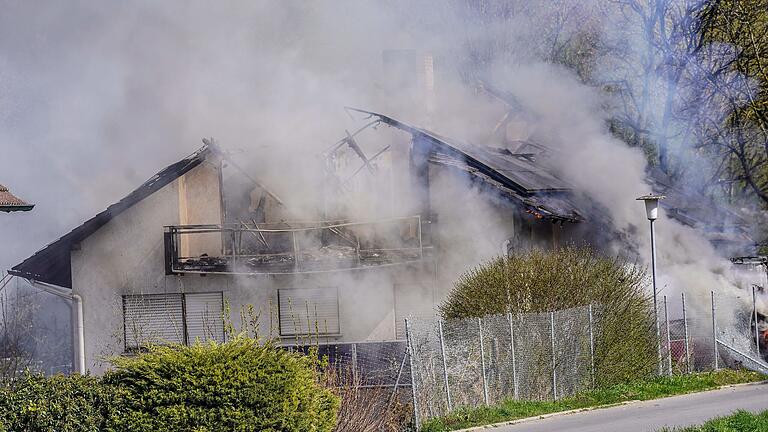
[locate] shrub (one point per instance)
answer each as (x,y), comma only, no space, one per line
(61,403)
(367,408)
(235,386)
(540,281)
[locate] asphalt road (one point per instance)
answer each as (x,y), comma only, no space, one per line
(686,410)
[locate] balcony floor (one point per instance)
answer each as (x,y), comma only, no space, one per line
(324,259)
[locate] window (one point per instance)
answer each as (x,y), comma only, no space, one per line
(203,317)
(308,311)
(172,318)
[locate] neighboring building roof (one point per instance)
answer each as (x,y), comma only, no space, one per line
(515,176)
(11,203)
(52,264)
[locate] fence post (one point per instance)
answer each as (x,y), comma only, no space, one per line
(669,342)
(233,242)
(295,249)
(554,363)
(445,365)
(685,335)
(514,360)
(592,345)
(399,374)
(482,361)
(754,312)
(416,419)
(714,330)
(355,373)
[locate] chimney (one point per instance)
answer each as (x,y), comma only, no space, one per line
(409,84)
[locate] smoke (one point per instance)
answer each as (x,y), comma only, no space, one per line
(95,97)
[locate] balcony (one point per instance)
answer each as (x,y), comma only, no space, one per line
(294,247)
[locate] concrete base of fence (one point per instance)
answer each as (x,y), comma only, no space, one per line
(579,410)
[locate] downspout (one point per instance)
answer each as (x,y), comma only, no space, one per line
(78,333)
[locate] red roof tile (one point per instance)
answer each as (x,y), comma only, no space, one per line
(9,202)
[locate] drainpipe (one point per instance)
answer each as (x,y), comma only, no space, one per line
(78,334)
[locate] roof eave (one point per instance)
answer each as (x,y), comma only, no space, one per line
(62,246)
(16,208)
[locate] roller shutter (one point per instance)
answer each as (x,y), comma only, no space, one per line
(204,317)
(309,311)
(153,318)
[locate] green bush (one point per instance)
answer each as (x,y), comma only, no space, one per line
(540,281)
(61,403)
(236,386)
(742,421)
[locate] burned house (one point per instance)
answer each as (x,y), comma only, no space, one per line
(180,257)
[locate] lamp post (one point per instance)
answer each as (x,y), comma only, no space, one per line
(652,212)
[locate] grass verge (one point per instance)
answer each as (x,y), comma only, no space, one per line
(741,421)
(653,388)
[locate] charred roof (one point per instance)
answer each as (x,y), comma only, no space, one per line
(512,176)
(515,176)
(52,264)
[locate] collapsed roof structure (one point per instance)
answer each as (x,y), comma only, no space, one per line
(510,175)
(723,227)
(513,174)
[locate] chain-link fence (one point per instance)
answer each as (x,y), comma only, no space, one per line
(723,331)
(368,364)
(547,356)
(446,364)
(480,361)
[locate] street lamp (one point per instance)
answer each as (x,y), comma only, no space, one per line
(652,212)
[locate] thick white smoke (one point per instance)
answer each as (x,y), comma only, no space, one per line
(95,97)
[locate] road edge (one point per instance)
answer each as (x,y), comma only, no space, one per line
(580,410)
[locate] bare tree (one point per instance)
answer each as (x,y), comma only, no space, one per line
(35,331)
(16,348)
(740,139)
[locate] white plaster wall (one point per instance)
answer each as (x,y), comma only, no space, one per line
(126,256)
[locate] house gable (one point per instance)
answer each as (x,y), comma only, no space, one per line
(53,263)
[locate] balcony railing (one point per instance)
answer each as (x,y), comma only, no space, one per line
(293,247)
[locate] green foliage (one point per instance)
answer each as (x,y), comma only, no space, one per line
(741,421)
(236,386)
(61,403)
(541,281)
(653,388)
(738,143)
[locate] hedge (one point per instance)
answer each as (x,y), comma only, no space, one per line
(542,281)
(34,403)
(240,385)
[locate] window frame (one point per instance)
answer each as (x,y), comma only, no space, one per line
(184,317)
(296,334)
